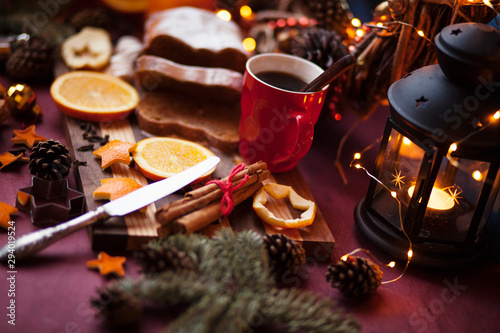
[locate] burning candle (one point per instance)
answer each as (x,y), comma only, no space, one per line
(439,199)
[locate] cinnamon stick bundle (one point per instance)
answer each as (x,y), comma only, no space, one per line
(202,206)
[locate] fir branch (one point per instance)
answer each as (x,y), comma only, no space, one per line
(232,290)
(306,311)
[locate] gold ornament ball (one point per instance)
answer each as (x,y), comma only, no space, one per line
(20,101)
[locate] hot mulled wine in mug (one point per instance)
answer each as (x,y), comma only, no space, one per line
(277,120)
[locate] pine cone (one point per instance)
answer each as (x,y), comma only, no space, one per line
(355,277)
(50,160)
(117,307)
(331,14)
(158,259)
(98,17)
(321,46)
(285,255)
(31,59)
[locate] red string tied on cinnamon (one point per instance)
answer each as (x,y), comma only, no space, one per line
(227,202)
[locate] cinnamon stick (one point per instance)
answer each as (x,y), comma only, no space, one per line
(201,197)
(201,218)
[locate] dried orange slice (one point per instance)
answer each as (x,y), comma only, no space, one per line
(278,191)
(115,151)
(93,96)
(161,157)
(114,188)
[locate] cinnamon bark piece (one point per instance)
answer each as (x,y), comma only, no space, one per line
(202,206)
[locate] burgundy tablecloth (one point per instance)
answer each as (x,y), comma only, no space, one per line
(52,290)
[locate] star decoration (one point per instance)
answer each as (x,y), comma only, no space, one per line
(398,179)
(455,194)
(27,137)
(113,152)
(8,158)
(107,264)
(422,100)
(5,211)
(113,188)
(456,32)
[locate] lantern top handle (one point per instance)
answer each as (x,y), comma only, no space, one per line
(468,51)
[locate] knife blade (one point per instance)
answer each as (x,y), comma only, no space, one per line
(35,241)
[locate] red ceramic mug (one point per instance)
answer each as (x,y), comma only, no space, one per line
(277,121)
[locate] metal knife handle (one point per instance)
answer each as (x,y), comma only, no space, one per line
(38,240)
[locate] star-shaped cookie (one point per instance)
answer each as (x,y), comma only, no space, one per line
(107,264)
(27,137)
(115,151)
(5,211)
(113,188)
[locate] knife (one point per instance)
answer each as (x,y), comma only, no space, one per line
(35,241)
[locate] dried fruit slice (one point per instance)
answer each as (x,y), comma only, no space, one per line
(5,211)
(107,264)
(113,188)
(93,96)
(278,191)
(27,137)
(161,157)
(91,48)
(115,151)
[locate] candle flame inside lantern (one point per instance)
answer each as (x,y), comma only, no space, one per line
(439,199)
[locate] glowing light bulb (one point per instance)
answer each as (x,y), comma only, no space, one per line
(393,194)
(360,33)
(356,22)
(420,33)
(245,11)
(358,166)
(453,147)
(496,116)
(357,156)
(249,44)
(477,175)
(380,24)
(224,15)
(344,258)
(391,264)
(410,253)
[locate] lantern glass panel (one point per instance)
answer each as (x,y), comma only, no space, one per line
(400,168)
(453,199)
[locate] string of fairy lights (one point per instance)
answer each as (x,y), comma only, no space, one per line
(384,21)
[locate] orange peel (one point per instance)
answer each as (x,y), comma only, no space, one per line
(115,151)
(107,264)
(5,211)
(114,188)
(278,191)
(27,137)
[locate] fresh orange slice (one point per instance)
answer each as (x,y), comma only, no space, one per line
(161,157)
(93,96)
(278,191)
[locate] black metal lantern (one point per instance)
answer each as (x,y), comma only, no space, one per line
(438,166)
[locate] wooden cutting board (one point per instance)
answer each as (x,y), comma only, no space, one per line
(132,231)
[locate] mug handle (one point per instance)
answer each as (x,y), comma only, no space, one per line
(304,135)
